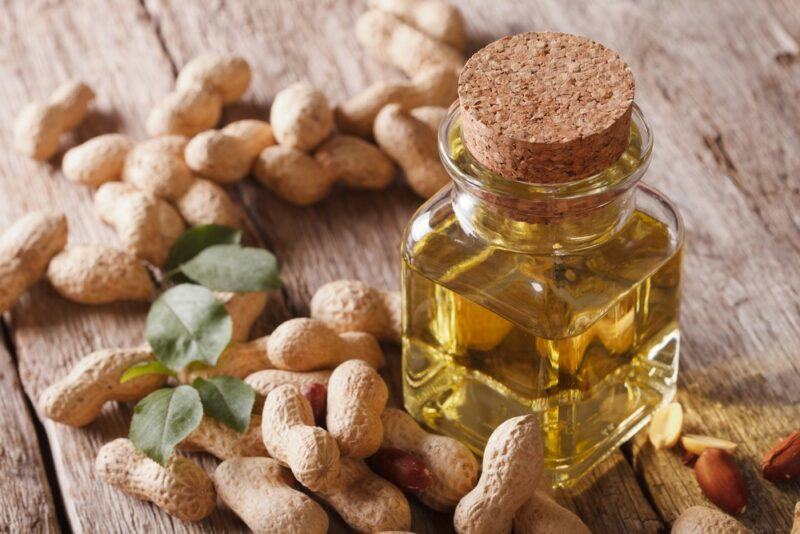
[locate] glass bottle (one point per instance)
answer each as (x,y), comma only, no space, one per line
(557,298)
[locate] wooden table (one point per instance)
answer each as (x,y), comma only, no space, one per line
(719,81)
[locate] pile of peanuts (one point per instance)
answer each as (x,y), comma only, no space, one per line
(321,420)
(150,191)
(321,417)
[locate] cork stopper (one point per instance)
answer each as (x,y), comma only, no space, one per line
(546,107)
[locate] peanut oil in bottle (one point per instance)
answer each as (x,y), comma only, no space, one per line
(555,295)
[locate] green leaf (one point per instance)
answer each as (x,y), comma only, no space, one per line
(227,399)
(196,239)
(187,323)
(234,268)
(163,419)
(154,367)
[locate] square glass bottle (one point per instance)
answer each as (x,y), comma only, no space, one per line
(546,278)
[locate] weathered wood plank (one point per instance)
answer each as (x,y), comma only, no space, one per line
(718,81)
(352,234)
(26,502)
(609,499)
(117,51)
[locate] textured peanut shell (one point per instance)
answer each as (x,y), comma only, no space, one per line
(412,145)
(260,492)
(171,226)
(436,19)
(238,360)
(204,202)
(37,131)
(98,160)
(26,248)
(301,117)
(453,467)
(39,126)
(357,396)
(353,306)
(218,156)
(172,143)
(145,225)
(356,163)
(396,43)
(704,520)
(182,488)
(227,75)
(367,502)
(431,116)
(222,441)
(96,274)
(796,524)
(157,172)
(513,462)
(244,307)
(293,175)
(186,111)
(255,134)
(265,381)
(72,98)
(436,86)
(304,344)
(287,425)
(542,515)
(78,398)
(245,358)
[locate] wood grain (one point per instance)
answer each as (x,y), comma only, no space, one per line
(26,503)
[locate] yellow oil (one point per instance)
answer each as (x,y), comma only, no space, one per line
(587,340)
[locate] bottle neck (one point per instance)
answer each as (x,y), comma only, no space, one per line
(523,228)
(543,218)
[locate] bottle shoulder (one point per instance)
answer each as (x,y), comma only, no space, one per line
(561,293)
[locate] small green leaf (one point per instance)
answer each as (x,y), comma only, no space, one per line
(194,240)
(234,268)
(227,399)
(187,323)
(163,419)
(154,367)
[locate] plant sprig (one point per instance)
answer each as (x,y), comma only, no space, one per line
(227,399)
(163,419)
(167,416)
(198,238)
(188,325)
(233,268)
